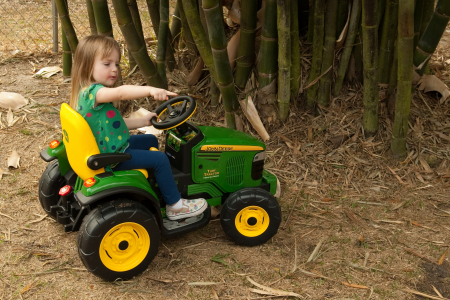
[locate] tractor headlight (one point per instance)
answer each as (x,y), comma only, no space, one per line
(258,165)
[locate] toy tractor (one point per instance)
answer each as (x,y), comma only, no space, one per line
(120,215)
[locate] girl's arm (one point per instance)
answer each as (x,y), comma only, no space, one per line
(129,92)
(139,122)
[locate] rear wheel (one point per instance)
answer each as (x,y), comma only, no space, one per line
(250,216)
(50,183)
(118,240)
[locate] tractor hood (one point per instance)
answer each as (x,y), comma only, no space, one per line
(216,139)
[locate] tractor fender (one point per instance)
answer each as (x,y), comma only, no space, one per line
(129,192)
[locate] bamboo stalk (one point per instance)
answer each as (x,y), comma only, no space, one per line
(380,11)
(284,57)
(153,9)
(188,39)
(295,51)
(91,16)
(198,34)
(323,95)
(246,49)
(393,73)
(418,14)
(67,56)
(310,36)
(267,70)
(134,10)
(405,73)
(135,45)
(214,19)
(214,92)
(355,17)
(316,63)
(432,35)
(162,40)
(342,16)
(387,42)
(102,17)
(175,28)
(66,24)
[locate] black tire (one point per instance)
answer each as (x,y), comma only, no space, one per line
(50,183)
(250,216)
(133,224)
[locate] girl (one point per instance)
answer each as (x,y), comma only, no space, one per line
(94,74)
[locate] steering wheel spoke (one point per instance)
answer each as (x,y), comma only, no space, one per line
(184,106)
(170,108)
(170,117)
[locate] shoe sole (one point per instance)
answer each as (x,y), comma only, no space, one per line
(188,215)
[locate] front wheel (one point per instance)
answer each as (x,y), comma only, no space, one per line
(250,216)
(118,240)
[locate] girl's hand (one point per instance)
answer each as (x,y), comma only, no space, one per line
(148,117)
(161,94)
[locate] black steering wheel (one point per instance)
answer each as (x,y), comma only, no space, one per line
(178,112)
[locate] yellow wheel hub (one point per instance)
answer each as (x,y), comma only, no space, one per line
(124,247)
(252,221)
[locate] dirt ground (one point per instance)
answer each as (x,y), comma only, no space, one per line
(357,224)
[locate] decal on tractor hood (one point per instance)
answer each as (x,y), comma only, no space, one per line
(221,148)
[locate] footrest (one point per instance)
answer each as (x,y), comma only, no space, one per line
(172,228)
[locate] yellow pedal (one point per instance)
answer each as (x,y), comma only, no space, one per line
(153,149)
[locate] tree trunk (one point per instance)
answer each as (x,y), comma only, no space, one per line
(246,50)
(370,60)
(432,35)
(268,56)
(135,45)
(284,57)
(214,19)
(162,40)
(66,24)
(91,16)
(405,73)
(388,37)
(355,17)
(316,62)
(295,51)
(323,96)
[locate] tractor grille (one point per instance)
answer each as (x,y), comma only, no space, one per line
(235,170)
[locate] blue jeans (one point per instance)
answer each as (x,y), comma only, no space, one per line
(142,158)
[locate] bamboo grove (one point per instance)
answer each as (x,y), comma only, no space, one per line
(383,40)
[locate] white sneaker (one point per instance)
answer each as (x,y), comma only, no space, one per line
(189,209)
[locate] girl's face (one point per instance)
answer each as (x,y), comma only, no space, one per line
(105,69)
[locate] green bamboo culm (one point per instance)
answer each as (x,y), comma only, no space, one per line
(380,11)
(387,42)
(91,17)
(66,24)
(188,39)
(153,10)
(295,51)
(102,17)
(323,94)
(162,40)
(199,35)
(214,19)
(427,14)
(342,16)
(175,28)
(284,57)
(135,45)
(316,62)
(355,16)
(310,34)
(66,56)
(418,14)
(405,74)
(268,51)
(432,35)
(134,10)
(370,61)
(246,49)
(394,71)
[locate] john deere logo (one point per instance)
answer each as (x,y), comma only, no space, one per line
(66,136)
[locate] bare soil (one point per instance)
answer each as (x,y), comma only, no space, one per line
(382,226)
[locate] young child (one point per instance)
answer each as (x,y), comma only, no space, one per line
(94,74)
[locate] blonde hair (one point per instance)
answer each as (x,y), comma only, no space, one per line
(83,66)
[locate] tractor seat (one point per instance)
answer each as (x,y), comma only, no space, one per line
(82,149)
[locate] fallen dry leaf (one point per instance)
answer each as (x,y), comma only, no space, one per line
(355,285)
(12,100)
(13,160)
(430,83)
(272,290)
(441,260)
(47,72)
